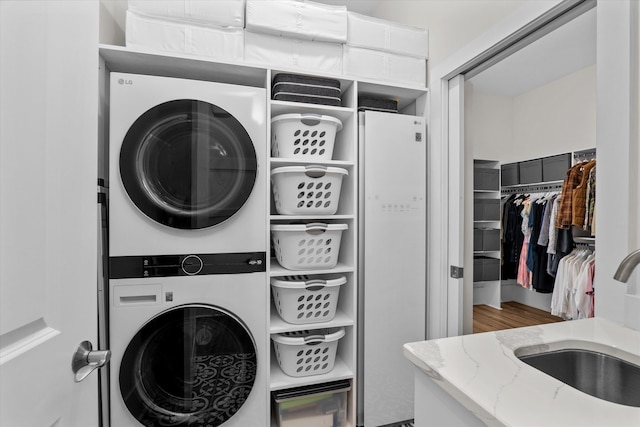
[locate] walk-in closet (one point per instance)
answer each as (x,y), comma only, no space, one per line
(530,145)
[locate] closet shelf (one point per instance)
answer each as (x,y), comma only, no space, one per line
(279,380)
(284,107)
(277,161)
(496,252)
(277,270)
(278,326)
(585,240)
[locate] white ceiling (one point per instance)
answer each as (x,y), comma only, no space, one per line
(565,50)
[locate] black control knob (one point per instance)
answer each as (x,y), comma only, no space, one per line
(191,265)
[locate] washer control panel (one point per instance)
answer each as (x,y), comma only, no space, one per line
(129,267)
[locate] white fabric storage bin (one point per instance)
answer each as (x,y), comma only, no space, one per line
(223,13)
(378,34)
(144,32)
(378,65)
(305,353)
(314,246)
(319,57)
(307,190)
(301,299)
(299,19)
(304,136)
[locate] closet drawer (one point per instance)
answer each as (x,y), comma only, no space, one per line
(486,239)
(554,168)
(486,269)
(477,239)
(510,174)
(486,179)
(490,240)
(530,171)
(491,269)
(486,210)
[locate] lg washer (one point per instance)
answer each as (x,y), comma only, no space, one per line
(188,341)
(186,166)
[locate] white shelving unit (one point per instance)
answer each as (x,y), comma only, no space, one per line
(344,156)
(411,100)
(486,225)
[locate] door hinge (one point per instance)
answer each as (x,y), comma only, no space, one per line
(457,272)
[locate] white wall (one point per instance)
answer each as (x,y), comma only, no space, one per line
(112,22)
(451,24)
(489,124)
(558,117)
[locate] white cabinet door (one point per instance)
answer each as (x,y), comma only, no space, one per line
(48,162)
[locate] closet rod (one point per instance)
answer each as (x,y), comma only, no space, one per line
(585,154)
(532,188)
(585,241)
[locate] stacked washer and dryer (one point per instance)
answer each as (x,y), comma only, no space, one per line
(187,250)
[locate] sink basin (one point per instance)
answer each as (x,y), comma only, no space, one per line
(601,375)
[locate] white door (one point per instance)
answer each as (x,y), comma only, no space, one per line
(48,171)
(455,130)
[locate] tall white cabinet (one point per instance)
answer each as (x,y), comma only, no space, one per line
(411,101)
(392,293)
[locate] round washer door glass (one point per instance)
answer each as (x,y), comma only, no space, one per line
(188,164)
(189,366)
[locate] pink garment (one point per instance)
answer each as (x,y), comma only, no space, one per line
(524,275)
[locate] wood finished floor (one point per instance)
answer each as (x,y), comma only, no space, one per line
(512,315)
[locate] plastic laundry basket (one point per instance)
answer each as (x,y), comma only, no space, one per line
(304,353)
(301,299)
(304,136)
(313,246)
(313,190)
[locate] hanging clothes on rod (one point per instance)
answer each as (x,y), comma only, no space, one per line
(526,225)
(573,294)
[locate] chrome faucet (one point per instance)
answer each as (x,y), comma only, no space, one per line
(627,266)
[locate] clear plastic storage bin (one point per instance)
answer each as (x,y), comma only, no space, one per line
(304,136)
(314,246)
(301,299)
(318,405)
(309,352)
(310,190)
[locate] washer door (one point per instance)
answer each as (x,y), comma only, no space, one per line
(188,164)
(189,366)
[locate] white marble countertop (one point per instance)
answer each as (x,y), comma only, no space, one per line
(482,372)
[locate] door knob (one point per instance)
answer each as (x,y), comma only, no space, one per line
(86,360)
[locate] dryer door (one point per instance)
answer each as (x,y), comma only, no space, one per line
(188,164)
(189,366)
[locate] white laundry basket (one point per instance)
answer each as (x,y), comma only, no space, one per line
(304,353)
(304,136)
(313,246)
(307,190)
(301,299)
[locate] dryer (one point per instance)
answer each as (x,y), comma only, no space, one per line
(187,166)
(188,341)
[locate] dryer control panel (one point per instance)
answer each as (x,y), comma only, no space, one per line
(132,267)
